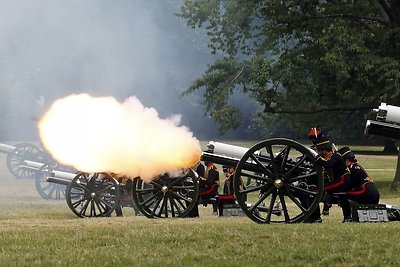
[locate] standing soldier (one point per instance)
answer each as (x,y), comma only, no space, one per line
(212,180)
(315,135)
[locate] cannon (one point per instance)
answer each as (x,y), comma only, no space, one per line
(50,191)
(27,161)
(278,172)
(387,123)
(20,152)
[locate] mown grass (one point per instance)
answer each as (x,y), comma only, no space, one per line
(36,232)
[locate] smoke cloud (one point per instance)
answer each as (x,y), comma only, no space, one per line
(53,48)
(103,135)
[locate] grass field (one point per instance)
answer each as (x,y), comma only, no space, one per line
(36,232)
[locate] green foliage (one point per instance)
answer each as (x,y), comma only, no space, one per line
(304,60)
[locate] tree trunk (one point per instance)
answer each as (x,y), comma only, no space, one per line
(390,147)
(396,179)
(390,10)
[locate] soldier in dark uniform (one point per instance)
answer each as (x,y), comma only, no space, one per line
(315,135)
(362,187)
(208,177)
(200,170)
(339,178)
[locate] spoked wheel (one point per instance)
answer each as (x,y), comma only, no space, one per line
(166,196)
(92,195)
(48,190)
(284,183)
(24,151)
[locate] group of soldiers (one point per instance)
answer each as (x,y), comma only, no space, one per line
(346,180)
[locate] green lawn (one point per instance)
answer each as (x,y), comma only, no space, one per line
(36,232)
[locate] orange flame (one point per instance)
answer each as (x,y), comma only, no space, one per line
(103,135)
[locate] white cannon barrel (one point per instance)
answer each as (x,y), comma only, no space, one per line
(6,148)
(29,164)
(388,113)
(225,154)
(387,122)
(226,149)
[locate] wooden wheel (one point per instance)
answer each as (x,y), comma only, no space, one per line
(284,183)
(92,195)
(167,196)
(48,190)
(25,151)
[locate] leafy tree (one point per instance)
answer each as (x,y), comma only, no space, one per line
(298,57)
(320,61)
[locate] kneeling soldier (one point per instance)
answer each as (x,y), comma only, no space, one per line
(363,189)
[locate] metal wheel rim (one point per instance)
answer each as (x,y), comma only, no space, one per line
(92,195)
(167,196)
(281,181)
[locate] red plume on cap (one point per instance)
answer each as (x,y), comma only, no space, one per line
(314,133)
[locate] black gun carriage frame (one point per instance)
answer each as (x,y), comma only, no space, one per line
(278,173)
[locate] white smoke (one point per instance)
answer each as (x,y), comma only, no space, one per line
(103,135)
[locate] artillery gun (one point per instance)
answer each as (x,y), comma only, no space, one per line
(278,172)
(20,152)
(28,161)
(387,123)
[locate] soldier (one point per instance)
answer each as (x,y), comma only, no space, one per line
(228,184)
(315,135)
(208,185)
(339,178)
(200,170)
(363,189)
(212,180)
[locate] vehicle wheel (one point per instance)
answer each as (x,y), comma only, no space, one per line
(24,151)
(46,190)
(167,196)
(284,183)
(92,195)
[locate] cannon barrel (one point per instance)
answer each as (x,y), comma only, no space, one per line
(227,150)
(4,148)
(387,123)
(230,155)
(29,164)
(58,180)
(388,113)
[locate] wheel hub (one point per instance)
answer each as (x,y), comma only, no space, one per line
(164,189)
(278,183)
(93,195)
